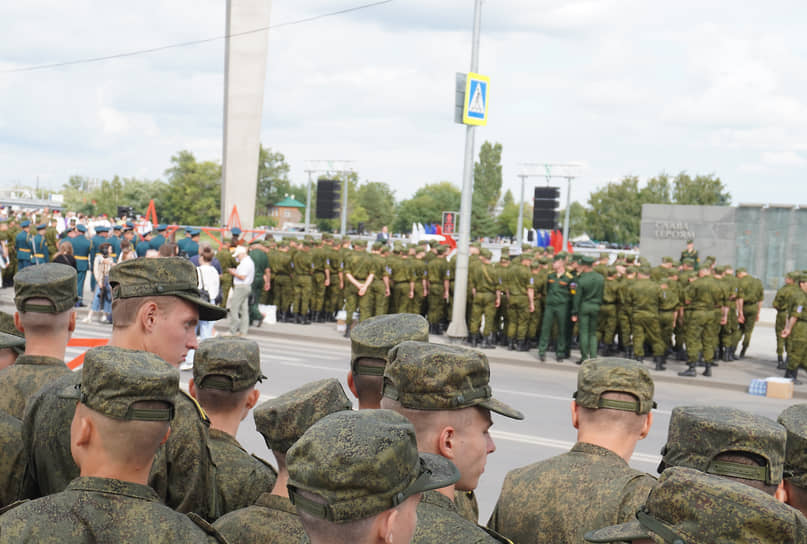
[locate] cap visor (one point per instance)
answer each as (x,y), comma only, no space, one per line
(11,340)
(501,408)
(70,392)
(442,473)
(631,530)
(207,311)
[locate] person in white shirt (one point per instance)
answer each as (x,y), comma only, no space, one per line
(242,285)
(208,280)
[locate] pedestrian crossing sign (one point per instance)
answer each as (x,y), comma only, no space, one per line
(475,111)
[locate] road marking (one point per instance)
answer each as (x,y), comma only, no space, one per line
(555,397)
(561,444)
(281,358)
(318,367)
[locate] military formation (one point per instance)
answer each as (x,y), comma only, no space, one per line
(117,452)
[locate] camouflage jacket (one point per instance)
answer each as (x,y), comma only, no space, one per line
(182,473)
(562,498)
(271,520)
(24,378)
(440,521)
(240,477)
(11,460)
(101,510)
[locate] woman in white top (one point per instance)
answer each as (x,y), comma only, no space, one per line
(208,280)
(102,299)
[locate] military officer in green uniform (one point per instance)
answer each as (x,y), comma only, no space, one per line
(81,251)
(44,296)
(691,253)
(225,372)
(520,290)
(423,378)
(438,275)
(272,518)
(704,299)
(359,276)
(591,486)
(781,303)
(486,298)
(156,306)
(22,245)
(750,295)
(644,299)
(380,487)
(796,330)
(125,405)
(560,288)
(225,258)
(586,308)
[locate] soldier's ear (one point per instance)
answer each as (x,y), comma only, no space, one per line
(575,415)
(18,323)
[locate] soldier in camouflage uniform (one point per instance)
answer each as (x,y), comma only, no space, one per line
(272,519)
(781,303)
(370,342)
(261,262)
(643,297)
(691,507)
(608,308)
(538,275)
(627,277)
(794,420)
(279,280)
(358,278)
(13,341)
(751,293)
(225,257)
(591,486)
(156,306)
(418,264)
(321,280)
(225,371)
(796,330)
(726,442)
(125,406)
(422,380)
(380,287)
(44,296)
(11,462)
(668,308)
(361,501)
(485,298)
(519,287)
(438,275)
(302,262)
(704,299)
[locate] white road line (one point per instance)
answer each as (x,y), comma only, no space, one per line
(560,444)
(318,367)
(554,397)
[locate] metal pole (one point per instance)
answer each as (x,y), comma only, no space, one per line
(520,228)
(458,327)
(343,231)
(308,204)
(566,219)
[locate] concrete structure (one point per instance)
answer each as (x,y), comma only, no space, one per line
(287,212)
(244,76)
(768,240)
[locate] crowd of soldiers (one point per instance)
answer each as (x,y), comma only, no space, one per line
(117,452)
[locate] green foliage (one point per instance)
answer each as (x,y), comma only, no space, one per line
(702,191)
(273,181)
(265,221)
(487,189)
(427,206)
(577,219)
(377,200)
(193,195)
(92,198)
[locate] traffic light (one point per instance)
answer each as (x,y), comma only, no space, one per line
(328,192)
(544,208)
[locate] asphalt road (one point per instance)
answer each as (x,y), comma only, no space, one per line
(544,395)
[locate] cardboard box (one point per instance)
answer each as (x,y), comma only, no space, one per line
(779,388)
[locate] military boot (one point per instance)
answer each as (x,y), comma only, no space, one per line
(347,331)
(708,371)
(629,352)
(793,376)
(689,372)
(780,363)
(523,345)
(489,342)
(475,339)
(660,363)
(511,344)
(742,351)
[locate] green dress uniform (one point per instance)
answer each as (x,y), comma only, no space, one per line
(26,376)
(643,298)
(440,521)
(39,249)
(183,474)
(562,498)
(559,291)
(752,292)
(271,520)
(240,477)
(11,461)
(102,510)
(81,251)
(686,254)
(519,282)
(586,305)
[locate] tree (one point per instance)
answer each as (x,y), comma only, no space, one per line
(616,212)
(273,180)
(193,195)
(577,219)
(702,191)
(487,189)
(427,206)
(657,190)
(377,200)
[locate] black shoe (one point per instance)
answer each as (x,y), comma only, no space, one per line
(742,351)
(780,363)
(708,371)
(629,352)
(511,344)
(347,331)
(689,372)
(541,357)
(560,357)
(475,338)
(640,358)
(733,353)
(579,361)
(726,355)
(794,374)
(681,355)
(489,342)
(659,363)
(523,345)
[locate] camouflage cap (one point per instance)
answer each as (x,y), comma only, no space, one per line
(228,363)
(613,374)
(374,337)
(114,379)
(361,463)
(7,326)
(53,282)
(424,376)
(167,276)
(741,270)
(283,420)
(486,253)
(689,507)
(698,434)
(12,341)
(667,259)
(630,258)
(587,260)
(643,269)
(794,420)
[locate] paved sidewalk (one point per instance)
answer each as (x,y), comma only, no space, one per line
(760,361)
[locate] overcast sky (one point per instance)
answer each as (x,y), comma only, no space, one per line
(621,86)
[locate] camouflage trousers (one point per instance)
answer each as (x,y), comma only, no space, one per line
(750,313)
(318,292)
(781,343)
(646,330)
(700,336)
(437,302)
(607,323)
(399,302)
(484,304)
(665,321)
(303,289)
(283,292)
(797,354)
(518,315)
(379,301)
